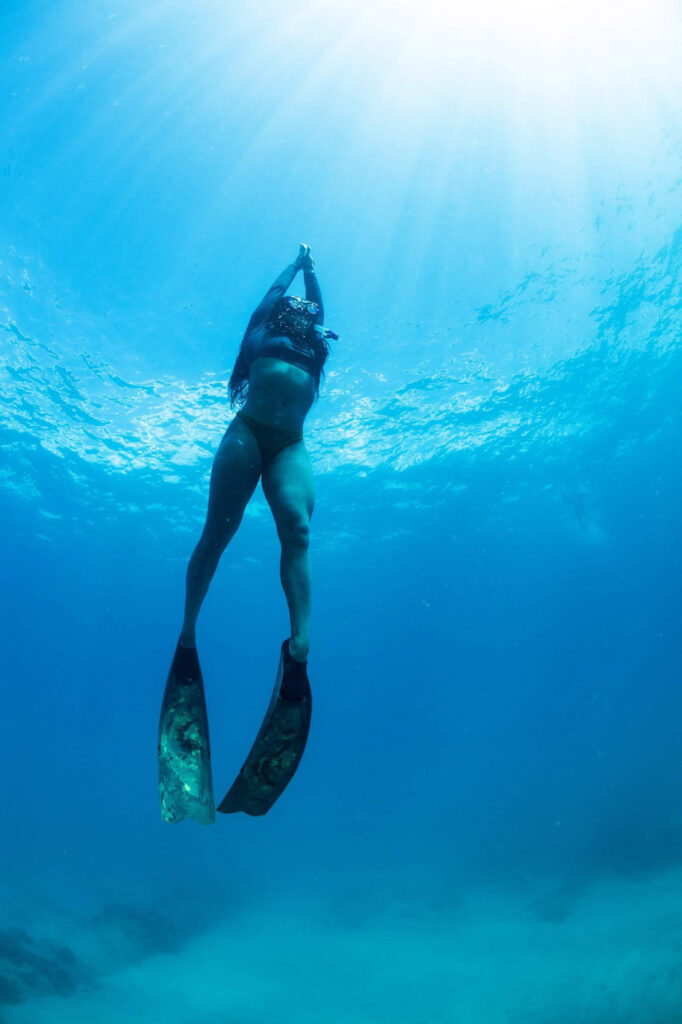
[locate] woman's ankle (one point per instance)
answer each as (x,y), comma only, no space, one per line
(298,648)
(187,637)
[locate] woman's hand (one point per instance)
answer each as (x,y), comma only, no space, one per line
(304,260)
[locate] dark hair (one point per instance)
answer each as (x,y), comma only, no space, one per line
(239,378)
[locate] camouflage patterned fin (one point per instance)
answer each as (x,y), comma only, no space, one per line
(185,781)
(279,745)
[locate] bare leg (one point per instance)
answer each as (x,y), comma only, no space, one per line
(235,473)
(289,488)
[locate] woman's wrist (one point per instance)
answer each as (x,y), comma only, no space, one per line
(304,263)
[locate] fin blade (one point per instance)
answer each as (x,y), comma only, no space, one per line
(184,751)
(275,755)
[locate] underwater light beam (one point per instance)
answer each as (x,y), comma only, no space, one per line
(545,21)
(536,39)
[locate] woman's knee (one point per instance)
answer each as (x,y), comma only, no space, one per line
(294,530)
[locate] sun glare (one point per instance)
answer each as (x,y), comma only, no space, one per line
(538,38)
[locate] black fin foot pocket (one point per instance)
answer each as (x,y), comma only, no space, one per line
(185,665)
(295,683)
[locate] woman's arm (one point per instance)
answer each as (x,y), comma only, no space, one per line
(313,293)
(312,285)
(276,290)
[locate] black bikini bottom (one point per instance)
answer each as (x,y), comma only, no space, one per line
(270,440)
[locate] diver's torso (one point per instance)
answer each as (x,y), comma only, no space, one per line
(279,393)
(262,342)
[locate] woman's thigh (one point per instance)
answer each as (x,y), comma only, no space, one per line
(289,486)
(236,470)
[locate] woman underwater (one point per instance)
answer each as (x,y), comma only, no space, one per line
(276,376)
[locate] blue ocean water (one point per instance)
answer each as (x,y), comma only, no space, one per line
(487,823)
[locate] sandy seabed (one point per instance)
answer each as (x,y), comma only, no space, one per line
(609,953)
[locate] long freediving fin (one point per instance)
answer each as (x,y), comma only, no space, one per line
(184,751)
(279,745)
